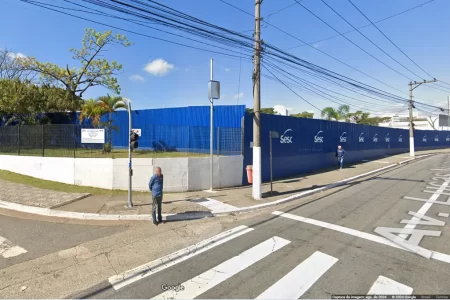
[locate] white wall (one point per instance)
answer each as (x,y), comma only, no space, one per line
(180,174)
(48,168)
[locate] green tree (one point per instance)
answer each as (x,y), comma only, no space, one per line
(267,111)
(109,105)
(305,114)
(91,110)
(24,101)
(93,70)
(361,117)
(341,113)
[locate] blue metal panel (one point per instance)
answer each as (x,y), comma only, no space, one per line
(307,144)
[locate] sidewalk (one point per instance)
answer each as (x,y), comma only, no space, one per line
(191,205)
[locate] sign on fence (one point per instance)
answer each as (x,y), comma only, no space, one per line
(138,131)
(444,121)
(92,136)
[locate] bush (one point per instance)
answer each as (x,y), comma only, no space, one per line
(107,148)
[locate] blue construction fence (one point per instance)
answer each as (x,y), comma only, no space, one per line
(184,129)
(306,145)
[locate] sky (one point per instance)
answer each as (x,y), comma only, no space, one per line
(158,74)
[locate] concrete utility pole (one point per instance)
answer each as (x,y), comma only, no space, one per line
(256,188)
(411,129)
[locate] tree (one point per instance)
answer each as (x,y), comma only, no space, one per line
(360,117)
(267,111)
(329,113)
(25,102)
(109,105)
(432,122)
(305,114)
(92,111)
(343,112)
(93,70)
(10,66)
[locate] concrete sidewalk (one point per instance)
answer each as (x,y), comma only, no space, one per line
(193,205)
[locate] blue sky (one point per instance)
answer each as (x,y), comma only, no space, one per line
(422,33)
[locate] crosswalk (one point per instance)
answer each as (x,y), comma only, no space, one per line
(8,249)
(293,285)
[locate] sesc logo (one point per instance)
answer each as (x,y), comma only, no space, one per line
(436,139)
(447,138)
(400,139)
(387,138)
(361,137)
(343,138)
(424,139)
(317,138)
(286,139)
(375,138)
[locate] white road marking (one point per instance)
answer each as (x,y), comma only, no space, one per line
(364,235)
(445,215)
(424,209)
(386,286)
(300,279)
(7,249)
(133,275)
(427,200)
(214,205)
(198,285)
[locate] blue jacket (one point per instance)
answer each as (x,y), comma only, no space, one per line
(156,185)
(340,153)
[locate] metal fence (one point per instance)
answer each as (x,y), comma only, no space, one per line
(156,141)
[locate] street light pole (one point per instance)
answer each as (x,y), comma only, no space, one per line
(211,134)
(130,167)
(411,106)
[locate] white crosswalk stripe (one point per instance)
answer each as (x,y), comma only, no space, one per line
(296,283)
(209,279)
(300,279)
(386,286)
(8,250)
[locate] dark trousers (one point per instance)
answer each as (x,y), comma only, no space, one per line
(157,203)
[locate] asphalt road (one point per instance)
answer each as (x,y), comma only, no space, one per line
(22,240)
(324,248)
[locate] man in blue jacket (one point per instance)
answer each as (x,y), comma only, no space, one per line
(340,153)
(156,188)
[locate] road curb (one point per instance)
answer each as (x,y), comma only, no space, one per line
(70,201)
(47,212)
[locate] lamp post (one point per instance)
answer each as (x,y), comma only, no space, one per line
(130,168)
(213,93)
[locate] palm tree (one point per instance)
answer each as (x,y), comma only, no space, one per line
(342,113)
(92,111)
(329,113)
(109,105)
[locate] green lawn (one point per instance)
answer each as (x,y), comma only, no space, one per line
(95,153)
(56,186)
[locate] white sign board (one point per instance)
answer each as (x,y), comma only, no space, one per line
(92,136)
(138,131)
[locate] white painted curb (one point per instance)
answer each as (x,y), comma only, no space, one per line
(183,216)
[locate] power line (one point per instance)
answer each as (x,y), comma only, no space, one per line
(130,31)
(350,31)
(306,44)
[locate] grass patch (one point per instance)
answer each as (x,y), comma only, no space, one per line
(57,186)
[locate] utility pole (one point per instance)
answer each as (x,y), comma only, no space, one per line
(256,188)
(411,105)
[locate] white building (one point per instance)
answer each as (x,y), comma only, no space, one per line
(420,122)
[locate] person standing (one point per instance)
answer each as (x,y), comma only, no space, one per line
(156,188)
(340,153)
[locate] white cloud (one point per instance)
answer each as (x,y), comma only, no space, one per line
(159,67)
(136,77)
(227,70)
(13,55)
(240,95)
(281,109)
(186,70)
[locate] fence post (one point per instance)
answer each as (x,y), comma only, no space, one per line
(218,141)
(18,139)
(74,140)
(43,139)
